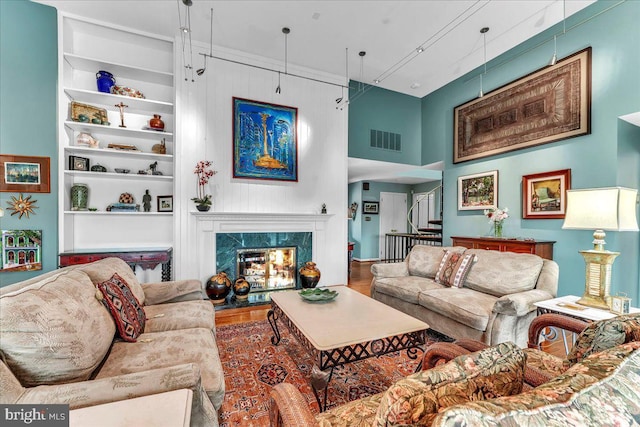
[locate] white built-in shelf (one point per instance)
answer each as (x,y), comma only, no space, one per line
(85,63)
(115,175)
(110,152)
(136,105)
(117,131)
(118,213)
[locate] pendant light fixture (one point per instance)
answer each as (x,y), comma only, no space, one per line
(185,35)
(554,58)
(201,71)
(346,76)
(483,31)
(285,31)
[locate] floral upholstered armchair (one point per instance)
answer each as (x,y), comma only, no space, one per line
(493,386)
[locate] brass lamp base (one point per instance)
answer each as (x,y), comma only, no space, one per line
(598,282)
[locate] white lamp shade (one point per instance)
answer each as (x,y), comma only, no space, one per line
(611,208)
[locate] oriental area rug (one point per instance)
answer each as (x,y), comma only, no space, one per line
(253,366)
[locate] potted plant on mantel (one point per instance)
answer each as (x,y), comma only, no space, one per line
(204,173)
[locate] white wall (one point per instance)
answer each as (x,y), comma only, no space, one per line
(204,131)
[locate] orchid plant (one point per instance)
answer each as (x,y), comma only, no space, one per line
(204,172)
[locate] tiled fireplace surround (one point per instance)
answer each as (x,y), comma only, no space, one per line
(220,234)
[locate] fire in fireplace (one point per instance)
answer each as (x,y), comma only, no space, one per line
(267,269)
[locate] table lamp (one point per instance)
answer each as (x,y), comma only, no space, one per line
(600,209)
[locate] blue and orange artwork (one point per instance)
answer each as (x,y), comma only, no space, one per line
(265,141)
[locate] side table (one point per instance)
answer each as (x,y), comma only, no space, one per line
(567,306)
(146,258)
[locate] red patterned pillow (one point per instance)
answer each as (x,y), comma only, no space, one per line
(125,308)
(454,268)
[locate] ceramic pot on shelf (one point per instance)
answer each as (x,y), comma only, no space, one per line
(218,287)
(105,81)
(156,122)
(309,275)
(241,288)
(79,197)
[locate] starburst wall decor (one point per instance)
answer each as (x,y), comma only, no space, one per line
(22,205)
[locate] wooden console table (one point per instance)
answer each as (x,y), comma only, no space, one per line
(146,258)
(542,248)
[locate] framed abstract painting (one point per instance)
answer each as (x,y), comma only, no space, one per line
(265,141)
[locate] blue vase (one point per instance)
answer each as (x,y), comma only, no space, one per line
(105,80)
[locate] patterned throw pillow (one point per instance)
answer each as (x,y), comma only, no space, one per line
(124,307)
(454,268)
(417,400)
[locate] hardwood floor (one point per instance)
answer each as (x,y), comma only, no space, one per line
(360,281)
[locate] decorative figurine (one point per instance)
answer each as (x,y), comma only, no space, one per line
(121,106)
(160,148)
(146,201)
(324,208)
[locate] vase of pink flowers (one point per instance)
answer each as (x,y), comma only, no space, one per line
(204,172)
(496,219)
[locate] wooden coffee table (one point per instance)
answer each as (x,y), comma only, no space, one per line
(350,328)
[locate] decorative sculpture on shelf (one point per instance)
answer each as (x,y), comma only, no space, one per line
(121,106)
(146,201)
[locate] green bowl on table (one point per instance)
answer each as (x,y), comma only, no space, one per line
(318,294)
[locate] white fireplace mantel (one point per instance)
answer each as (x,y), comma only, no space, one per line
(208,224)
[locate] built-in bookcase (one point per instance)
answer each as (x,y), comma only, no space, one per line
(140,61)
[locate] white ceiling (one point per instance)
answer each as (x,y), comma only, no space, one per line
(388,31)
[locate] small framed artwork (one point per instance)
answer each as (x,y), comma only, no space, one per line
(265,141)
(24,174)
(78,163)
(478,191)
(544,195)
(165,203)
(371,208)
(21,250)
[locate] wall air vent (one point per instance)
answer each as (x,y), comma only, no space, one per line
(386,140)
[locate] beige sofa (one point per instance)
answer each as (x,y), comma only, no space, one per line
(58,342)
(494,305)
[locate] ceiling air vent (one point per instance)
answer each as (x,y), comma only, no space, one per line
(386,140)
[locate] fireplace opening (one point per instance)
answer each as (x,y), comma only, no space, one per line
(267,269)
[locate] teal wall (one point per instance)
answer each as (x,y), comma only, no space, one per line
(28,83)
(593,159)
(384,110)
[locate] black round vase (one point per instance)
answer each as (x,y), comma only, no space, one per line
(218,287)
(309,275)
(241,288)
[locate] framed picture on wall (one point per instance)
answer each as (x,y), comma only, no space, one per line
(21,250)
(544,195)
(265,141)
(371,208)
(28,174)
(478,191)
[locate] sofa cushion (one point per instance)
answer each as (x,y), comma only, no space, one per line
(469,307)
(503,273)
(54,331)
(169,348)
(603,335)
(103,269)
(123,306)
(602,390)
(454,268)
(180,315)
(424,260)
(406,288)
(417,399)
